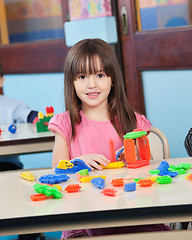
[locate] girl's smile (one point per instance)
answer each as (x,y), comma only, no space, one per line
(93,94)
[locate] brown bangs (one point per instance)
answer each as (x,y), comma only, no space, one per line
(87,63)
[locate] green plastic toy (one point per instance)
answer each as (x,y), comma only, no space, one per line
(134,135)
(47,190)
(155,171)
(164,179)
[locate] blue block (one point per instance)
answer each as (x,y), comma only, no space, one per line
(103,28)
(53,178)
(128,187)
(163,167)
(168,173)
(98,182)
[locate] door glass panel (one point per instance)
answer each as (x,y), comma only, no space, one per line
(160,14)
(32,20)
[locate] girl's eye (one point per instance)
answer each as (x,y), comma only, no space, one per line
(100,75)
(81,76)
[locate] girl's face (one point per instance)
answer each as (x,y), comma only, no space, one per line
(93,90)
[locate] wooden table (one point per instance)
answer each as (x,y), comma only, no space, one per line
(25,140)
(89,208)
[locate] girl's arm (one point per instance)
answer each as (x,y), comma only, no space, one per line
(61,151)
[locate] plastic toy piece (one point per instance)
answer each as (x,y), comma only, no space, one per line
(54,178)
(72,188)
(189,176)
(98,182)
(57,186)
(49,111)
(87,179)
(145,182)
(118,182)
(129,187)
(164,166)
(1,131)
(110,165)
(137,133)
(109,192)
(28,176)
(43,121)
(38,197)
(169,173)
(164,180)
(112,150)
(153,178)
(64,164)
(78,165)
(120,151)
(128,180)
(184,166)
(82,173)
(172,168)
(79,176)
(47,190)
(12,128)
(137,179)
(129,149)
(181,171)
(155,171)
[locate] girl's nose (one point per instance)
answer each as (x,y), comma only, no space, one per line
(92,81)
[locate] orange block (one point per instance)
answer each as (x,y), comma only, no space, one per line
(112,151)
(129,150)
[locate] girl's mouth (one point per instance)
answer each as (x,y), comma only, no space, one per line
(92,94)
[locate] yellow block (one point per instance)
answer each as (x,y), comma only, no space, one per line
(40,115)
(57,186)
(28,176)
(119,164)
(64,164)
(89,178)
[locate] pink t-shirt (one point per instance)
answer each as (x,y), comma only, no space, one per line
(91,136)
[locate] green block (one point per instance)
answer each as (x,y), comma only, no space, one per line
(155,171)
(164,180)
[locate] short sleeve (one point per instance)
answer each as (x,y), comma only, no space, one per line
(143,123)
(60,123)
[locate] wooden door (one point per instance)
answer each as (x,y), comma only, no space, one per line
(166,49)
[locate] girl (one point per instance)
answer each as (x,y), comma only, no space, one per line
(97,110)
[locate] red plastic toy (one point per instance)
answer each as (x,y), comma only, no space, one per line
(72,188)
(112,151)
(38,197)
(130,140)
(145,182)
(118,182)
(1,131)
(49,110)
(109,192)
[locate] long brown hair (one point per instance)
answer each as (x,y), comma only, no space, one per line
(121,114)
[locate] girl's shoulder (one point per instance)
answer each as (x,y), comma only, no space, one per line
(60,117)
(142,122)
(61,124)
(61,120)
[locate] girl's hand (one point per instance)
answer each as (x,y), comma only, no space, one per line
(94,160)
